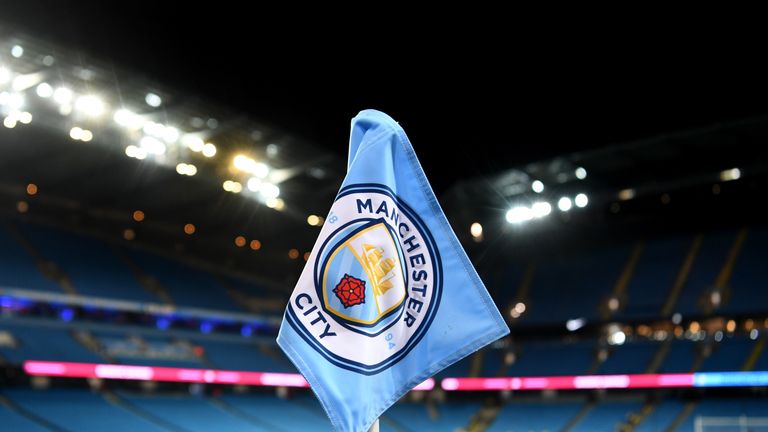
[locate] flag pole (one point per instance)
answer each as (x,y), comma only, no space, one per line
(374,426)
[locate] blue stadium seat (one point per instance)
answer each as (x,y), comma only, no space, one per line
(654,277)
(45,343)
(12,421)
(573,286)
(632,357)
(18,268)
(661,417)
(606,416)
(79,410)
(186,285)
(193,414)
(535,416)
(90,264)
(709,262)
(750,276)
(542,359)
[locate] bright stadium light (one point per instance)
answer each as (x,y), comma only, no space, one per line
(63,96)
(269,190)
(25,117)
(617,337)
(14,101)
(194,143)
(575,324)
(128,119)
(476,230)
(232,186)
(581,173)
(5,75)
(9,122)
(86,136)
(44,90)
(581,200)
(209,150)
(243,163)
(537,186)
(519,214)
(90,105)
(260,170)
(627,194)
(17,51)
(135,152)
(254,184)
(152,145)
(170,134)
(186,169)
(76,133)
(541,209)
(153,100)
(564,204)
(730,174)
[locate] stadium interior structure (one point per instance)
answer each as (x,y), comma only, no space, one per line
(149,242)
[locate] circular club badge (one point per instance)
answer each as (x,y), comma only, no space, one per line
(372,284)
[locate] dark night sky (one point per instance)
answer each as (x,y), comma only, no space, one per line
(486,99)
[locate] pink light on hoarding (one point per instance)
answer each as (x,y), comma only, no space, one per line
(569,382)
(149,373)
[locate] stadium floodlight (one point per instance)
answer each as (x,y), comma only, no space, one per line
(581,200)
(564,204)
(25,117)
(25,81)
(193,143)
(128,119)
(152,145)
(260,170)
(44,90)
(209,150)
(186,169)
(575,324)
(269,190)
(14,101)
(153,100)
(541,209)
(154,129)
(17,51)
(254,184)
(519,214)
(9,122)
(581,173)
(63,96)
(76,133)
(170,134)
(537,186)
(90,105)
(5,75)
(627,194)
(730,174)
(243,163)
(617,338)
(476,230)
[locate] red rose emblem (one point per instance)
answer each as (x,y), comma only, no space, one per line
(350,290)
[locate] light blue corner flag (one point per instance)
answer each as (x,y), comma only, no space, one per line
(388,297)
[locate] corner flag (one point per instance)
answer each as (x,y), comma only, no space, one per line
(388,297)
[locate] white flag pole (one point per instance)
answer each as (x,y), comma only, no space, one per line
(374,426)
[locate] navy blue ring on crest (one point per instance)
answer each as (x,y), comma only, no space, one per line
(390,317)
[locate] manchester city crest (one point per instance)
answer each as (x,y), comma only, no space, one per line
(372,284)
